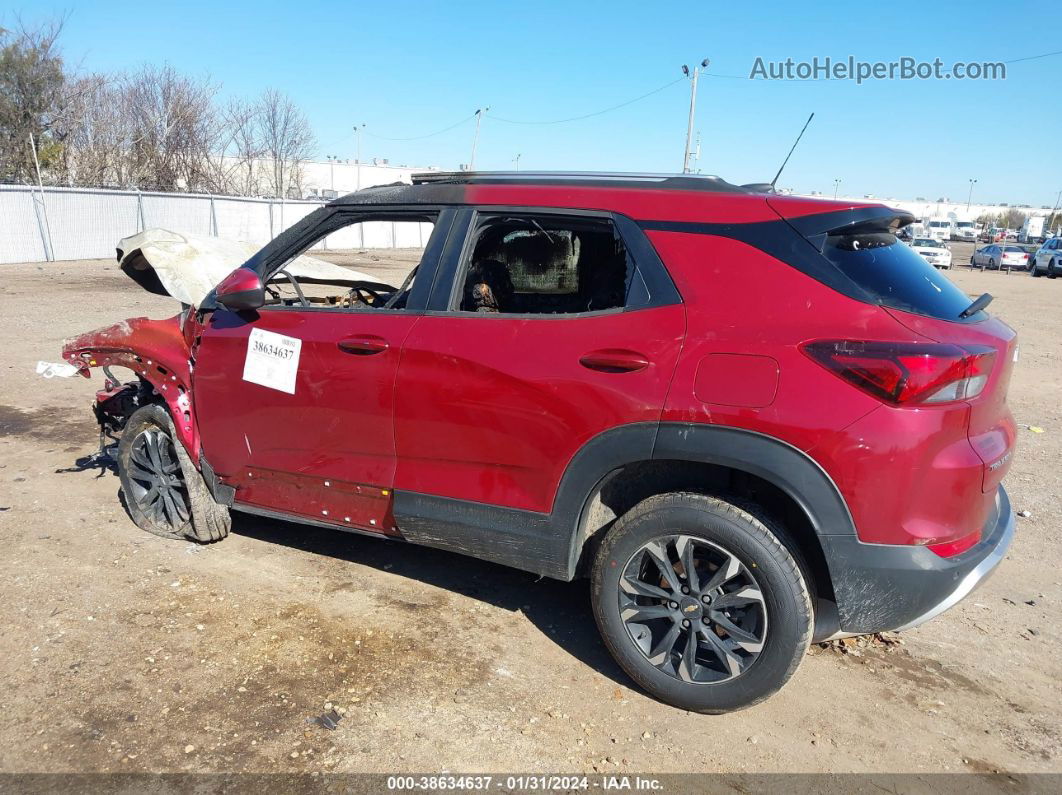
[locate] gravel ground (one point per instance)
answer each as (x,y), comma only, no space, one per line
(120,651)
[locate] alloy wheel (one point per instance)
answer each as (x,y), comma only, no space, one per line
(157,480)
(693,609)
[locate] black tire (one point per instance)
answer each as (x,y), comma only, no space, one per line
(727,672)
(1033,270)
(991,264)
(1052,269)
(162,490)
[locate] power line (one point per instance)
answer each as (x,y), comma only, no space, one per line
(1034,57)
(427,135)
(595,113)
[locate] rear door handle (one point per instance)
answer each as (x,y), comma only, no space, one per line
(364,345)
(614,360)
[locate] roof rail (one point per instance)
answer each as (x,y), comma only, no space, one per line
(634,179)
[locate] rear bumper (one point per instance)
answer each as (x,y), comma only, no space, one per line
(882,587)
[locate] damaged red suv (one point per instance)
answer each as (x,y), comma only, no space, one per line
(750,419)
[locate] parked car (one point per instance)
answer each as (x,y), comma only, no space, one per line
(933,251)
(744,441)
(997,256)
(1047,259)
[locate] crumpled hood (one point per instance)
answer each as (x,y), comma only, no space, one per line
(189,266)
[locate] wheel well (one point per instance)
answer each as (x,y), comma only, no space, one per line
(624,488)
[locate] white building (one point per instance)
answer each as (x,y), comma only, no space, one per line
(947,209)
(331,178)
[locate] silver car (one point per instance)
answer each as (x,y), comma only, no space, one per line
(1047,259)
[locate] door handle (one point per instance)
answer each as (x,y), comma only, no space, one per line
(363,346)
(614,360)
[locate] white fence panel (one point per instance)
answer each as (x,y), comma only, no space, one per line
(20,232)
(89,225)
(243,219)
(86,223)
(177,213)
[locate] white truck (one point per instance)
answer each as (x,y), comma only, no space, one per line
(964,230)
(1032,230)
(938,228)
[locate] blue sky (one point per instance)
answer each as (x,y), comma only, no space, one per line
(410,68)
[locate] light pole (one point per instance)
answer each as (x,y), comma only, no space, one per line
(969,196)
(516,160)
(475,138)
(693,110)
(331,172)
(836,187)
(357,155)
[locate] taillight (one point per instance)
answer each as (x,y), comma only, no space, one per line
(907,372)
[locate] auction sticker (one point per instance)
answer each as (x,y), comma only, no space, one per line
(272,360)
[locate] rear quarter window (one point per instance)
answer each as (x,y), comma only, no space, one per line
(895,275)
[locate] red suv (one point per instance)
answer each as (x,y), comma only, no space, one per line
(751,419)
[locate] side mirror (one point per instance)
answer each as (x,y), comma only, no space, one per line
(240,290)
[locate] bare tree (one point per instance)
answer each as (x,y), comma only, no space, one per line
(172,128)
(233,165)
(32,80)
(287,140)
(1012,219)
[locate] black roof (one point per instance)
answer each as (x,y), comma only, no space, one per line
(584,178)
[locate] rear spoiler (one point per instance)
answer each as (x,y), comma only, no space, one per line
(855,221)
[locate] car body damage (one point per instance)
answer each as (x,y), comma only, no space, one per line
(161,352)
(189,266)
(158,352)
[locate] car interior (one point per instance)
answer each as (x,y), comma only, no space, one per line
(546,265)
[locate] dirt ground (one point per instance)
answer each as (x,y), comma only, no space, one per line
(120,651)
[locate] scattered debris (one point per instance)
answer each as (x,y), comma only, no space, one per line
(53,369)
(1035,428)
(853,646)
(329,720)
(1025,514)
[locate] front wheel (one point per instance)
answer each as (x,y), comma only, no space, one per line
(1052,269)
(163,491)
(701,603)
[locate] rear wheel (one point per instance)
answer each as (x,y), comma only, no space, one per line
(701,603)
(163,491)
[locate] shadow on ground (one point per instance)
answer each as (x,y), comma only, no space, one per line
(560,610)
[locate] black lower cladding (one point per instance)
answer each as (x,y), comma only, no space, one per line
(542,543)
(550,543)
(882,587)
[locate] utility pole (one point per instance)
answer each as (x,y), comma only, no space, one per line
(693,110)
(357,155)
(50,253)
(475,138)
(969,196)
(836,187)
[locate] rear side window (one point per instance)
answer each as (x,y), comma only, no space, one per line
(895,274)
(549,265)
